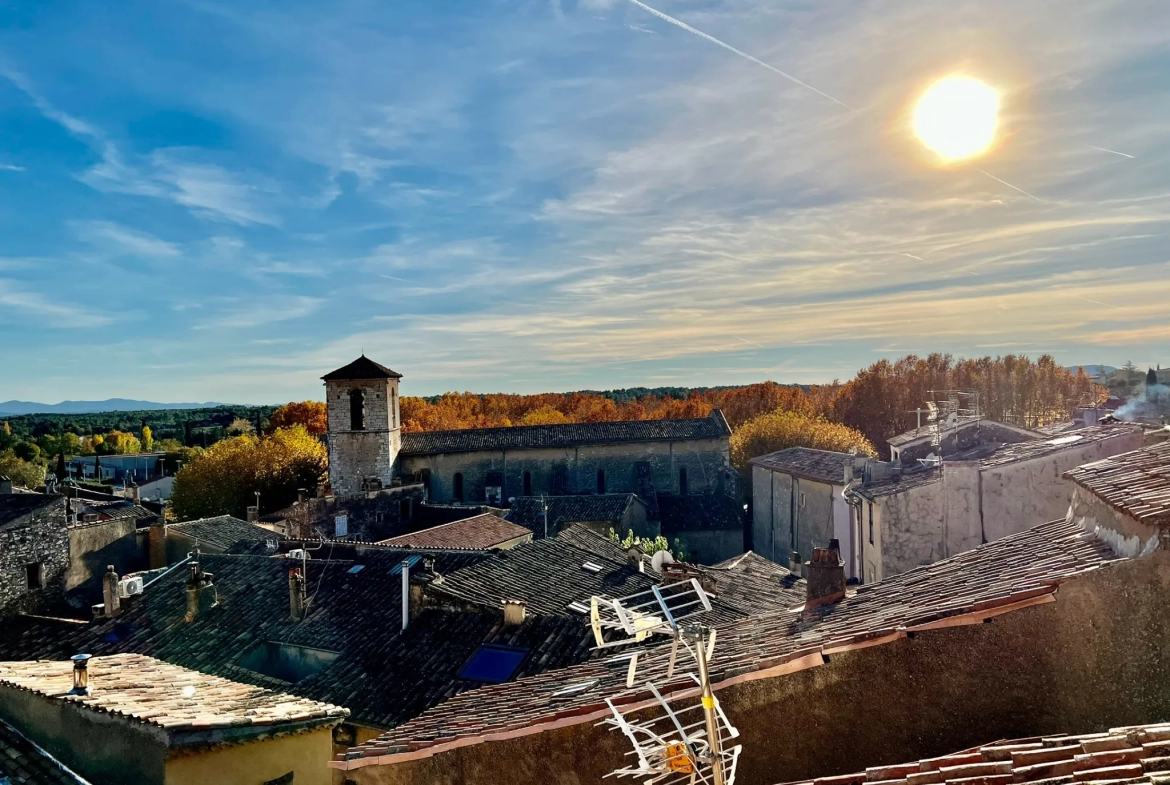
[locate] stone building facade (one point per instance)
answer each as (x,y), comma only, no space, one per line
(34,552)
(917,517)
(364,426)
(494,465)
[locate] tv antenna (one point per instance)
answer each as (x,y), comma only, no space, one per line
(692,743)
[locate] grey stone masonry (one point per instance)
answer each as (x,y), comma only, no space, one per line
(363,445)
(34,552)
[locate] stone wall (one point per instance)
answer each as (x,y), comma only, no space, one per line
(93,547)
(709,546)
(370,516)
(964,438)
(571,470)
(368,453)
(1092,660)
(41,537)
(909,529)
(777,514)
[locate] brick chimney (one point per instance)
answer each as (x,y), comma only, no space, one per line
(296,594)
(110,592)
(825,574)
(157,542)
(514,613)
(200,588)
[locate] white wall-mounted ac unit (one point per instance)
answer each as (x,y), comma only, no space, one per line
(297,553)
(128,587)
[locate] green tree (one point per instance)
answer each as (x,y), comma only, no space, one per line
(27,451)
(781,430)
(240,427)
(224,478)
(1151,378)
(649,545)
(23,473)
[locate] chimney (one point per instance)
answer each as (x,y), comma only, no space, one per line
(825,573)
(157,542)
(110,592)
(302,494)
(253,513)
(794,565)
(296,594)
(514,613)
(201,595)
(634,556)
(80,674)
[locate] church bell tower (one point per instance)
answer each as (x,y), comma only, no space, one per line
(364,426)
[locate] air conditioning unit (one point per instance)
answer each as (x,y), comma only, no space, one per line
(297,553)
(128,587)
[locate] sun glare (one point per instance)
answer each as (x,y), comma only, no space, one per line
(957,117)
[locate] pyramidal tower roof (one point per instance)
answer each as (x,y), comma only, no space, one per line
(362,368)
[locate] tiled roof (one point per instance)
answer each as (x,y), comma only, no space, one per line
(745,586)
(382,674)
(699,512)
(135,687)
(528,511)
(24,763)
(121,510)
(1024,451)
(223,531)
(819,465)
(477,533)
(361,369)
(915,434)
(1136,483)
(1010,573)
(566,435)
(752,584)
(547,575)
(1133,755)
(18,505)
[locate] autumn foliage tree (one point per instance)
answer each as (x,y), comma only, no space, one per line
(310,414)
(224,478)
(783,429)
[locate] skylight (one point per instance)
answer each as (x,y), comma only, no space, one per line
(578,607)
(354,570)
(412,560)
(493,664)
(591,567)
(573,689)
(1076,437)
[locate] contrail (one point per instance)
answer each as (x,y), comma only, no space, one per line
(1009,185)
(908,255)
(749,343)
(1105,150)
(745,55)
(392,278)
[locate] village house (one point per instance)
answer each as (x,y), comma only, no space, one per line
(548,515)
(920,512)
(130,718)
(54,550)
(174,542)
(1033,634)
(141,467)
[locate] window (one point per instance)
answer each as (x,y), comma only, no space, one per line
(683,486)
(493,664)
(357,412)
(601,480)
(527,483)
(286,661)
(871,523)
(457,490)
(591,567)
(393,409)
(33,576)
(404,509)
(411,563)
(341,526)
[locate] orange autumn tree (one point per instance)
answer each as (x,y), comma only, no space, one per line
(310,414)
(783,429)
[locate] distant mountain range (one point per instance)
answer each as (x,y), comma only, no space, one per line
(17,408)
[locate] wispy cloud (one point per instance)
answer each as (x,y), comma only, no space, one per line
(116,238)
(11,168)
(246,314)
(51,313)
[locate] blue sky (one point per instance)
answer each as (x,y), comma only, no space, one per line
(223,201)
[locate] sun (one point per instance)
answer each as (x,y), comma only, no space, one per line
(957,117)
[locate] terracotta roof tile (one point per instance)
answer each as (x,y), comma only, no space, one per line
(143,689)
(522,437)
(1136,483)
(1137,754)
(995,577)
(480,532)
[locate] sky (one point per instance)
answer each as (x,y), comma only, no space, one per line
(224,201)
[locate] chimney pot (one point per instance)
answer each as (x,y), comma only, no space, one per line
(514,613)
(110,592)
(825,574)
(302,494)
(296,594)
(80,674)
(794,565)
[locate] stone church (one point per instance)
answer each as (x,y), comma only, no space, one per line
(370,457)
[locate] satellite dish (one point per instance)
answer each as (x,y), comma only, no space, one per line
(659,559)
